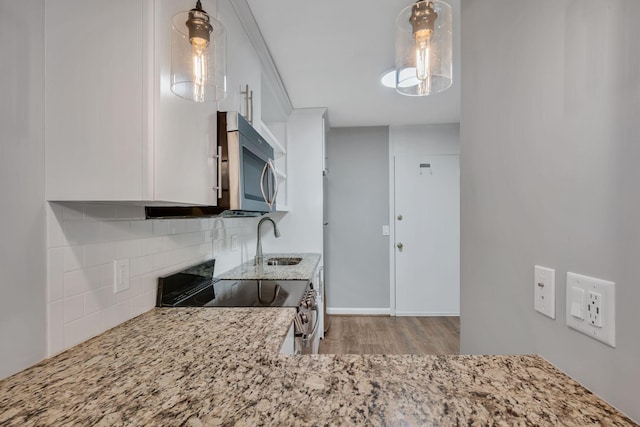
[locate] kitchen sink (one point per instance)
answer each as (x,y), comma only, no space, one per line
(284,261)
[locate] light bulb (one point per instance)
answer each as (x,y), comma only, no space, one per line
(200,72)
(423,48)
(423,69)
(199,35)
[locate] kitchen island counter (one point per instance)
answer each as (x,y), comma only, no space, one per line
(249,271)
(213,366)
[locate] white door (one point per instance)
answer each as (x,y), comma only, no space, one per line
(427,234)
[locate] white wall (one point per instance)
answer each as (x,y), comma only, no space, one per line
(83,242)
(22,265)
(427,139)
(550,150)
(356,252)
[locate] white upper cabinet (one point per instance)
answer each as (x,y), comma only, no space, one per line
(243,65)
(114,130)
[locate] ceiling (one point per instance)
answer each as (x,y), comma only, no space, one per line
(331,53)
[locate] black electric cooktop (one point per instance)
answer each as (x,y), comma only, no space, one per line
(196,287)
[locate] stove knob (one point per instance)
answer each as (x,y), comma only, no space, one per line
(304,318)
(305,304)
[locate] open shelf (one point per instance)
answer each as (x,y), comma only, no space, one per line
(281,175)
(278,148)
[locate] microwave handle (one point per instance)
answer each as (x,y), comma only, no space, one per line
(270,194)
(264,171)
(275,182)
(269,185)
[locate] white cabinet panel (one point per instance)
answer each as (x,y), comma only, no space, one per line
(243,65)
(114,130)
(185,131)
(94,99)
(288,345)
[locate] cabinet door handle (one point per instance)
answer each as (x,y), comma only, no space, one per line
(218,186)
(251,107)
(219,172)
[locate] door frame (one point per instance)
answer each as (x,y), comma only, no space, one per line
(392,228)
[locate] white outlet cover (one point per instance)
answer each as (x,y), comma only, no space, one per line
(593,309)
(544,293)
(580,290)
(121,275)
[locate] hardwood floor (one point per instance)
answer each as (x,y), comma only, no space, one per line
(391,335)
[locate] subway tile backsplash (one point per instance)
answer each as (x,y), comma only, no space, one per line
(84,240)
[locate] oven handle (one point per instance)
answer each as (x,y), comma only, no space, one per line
(307,339)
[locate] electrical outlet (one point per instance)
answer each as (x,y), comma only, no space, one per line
(121,275)
(591,307)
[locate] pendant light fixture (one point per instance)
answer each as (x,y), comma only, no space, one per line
(198,63)
(424,48)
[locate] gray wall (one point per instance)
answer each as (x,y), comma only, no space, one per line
(356,252)
(22,256)
(549,175)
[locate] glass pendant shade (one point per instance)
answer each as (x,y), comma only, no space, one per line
(424,51)
(198,57)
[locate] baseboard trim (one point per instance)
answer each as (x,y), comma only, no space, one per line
(359,311)
(422,314)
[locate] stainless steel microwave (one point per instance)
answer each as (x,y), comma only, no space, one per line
(247,181)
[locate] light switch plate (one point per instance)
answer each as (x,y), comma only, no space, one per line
(385,230)
(591,307)
(544,285)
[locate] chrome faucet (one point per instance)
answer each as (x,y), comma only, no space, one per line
(259,259)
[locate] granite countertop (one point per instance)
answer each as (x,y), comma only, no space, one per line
(249,271)
(220,366)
